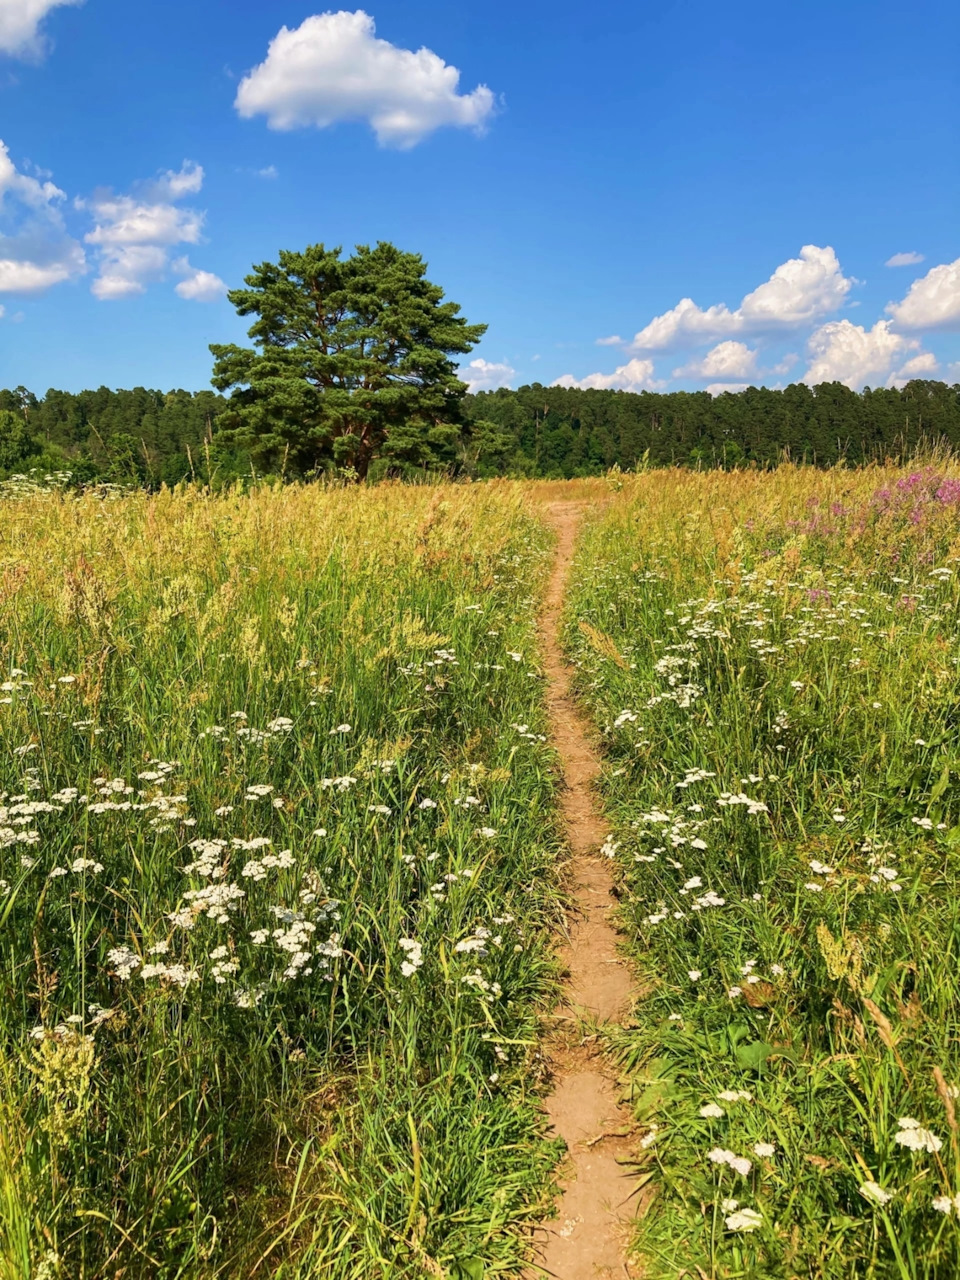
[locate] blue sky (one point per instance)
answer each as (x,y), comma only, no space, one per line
(593,167)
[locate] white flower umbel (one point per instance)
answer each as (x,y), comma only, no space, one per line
(915,1138)
(740,1164)
(414,952)
(744,1220)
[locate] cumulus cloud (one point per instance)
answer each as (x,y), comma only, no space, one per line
(801,290)
(485,375)
(35,249)
(197,285)
(924,365)
(175,184)
(718,388)
(932,302)
(20,25)
(726,360)
(134,235)
(904,259)
(635,375)
(333,67)
(845,352)
(613,341)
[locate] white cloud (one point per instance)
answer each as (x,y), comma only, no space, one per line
(845,352)
(485,375)
(799,291)
(197,285)
(29,191)
(718,388)
(332,67)
(932,302)
(269,171)
(21,275)
(175,184)
(923,365)
(635,375)
(127,269)
(123,220)
(20,25)
(613,341)
(904,259)
(726,360)
(35,250)
(135,233)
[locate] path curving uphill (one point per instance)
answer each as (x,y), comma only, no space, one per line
(587,1239)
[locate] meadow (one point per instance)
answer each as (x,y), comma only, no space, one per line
(281,873)
(772,662)
(276,881)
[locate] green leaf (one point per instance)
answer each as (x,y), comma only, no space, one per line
(754,1055)
(942,785)
(467,1269)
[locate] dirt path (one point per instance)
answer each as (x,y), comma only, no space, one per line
(586,1240)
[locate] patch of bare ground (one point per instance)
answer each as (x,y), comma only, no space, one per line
(587,1240)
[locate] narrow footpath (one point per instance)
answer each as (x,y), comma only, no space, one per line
(587,1239)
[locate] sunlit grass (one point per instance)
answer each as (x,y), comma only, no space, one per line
(277,845)
(773,663)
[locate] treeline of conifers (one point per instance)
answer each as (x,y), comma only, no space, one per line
(152,438)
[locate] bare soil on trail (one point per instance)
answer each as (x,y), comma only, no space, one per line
(587,1239)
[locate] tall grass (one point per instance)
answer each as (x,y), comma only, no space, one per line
(773,663)
(276,849)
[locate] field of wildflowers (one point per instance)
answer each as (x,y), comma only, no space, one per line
(276,879)
(772,660)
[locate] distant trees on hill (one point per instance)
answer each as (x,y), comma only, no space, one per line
(152,437)
(558,431)
(127,437)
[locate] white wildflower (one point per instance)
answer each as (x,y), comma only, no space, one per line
(873,1193)
(915,1138)
(124,961)
(744,1220)
(414,953)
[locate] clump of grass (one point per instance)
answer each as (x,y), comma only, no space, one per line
(781,732)
(276,850)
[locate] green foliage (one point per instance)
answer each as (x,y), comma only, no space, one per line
(17,442)
(535,431)
(490,448)
(352,359)
(139,437)
(565,432)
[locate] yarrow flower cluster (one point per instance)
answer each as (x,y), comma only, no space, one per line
(915,1138)
(739,1164)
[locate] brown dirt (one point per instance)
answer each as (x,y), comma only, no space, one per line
(587,1239)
